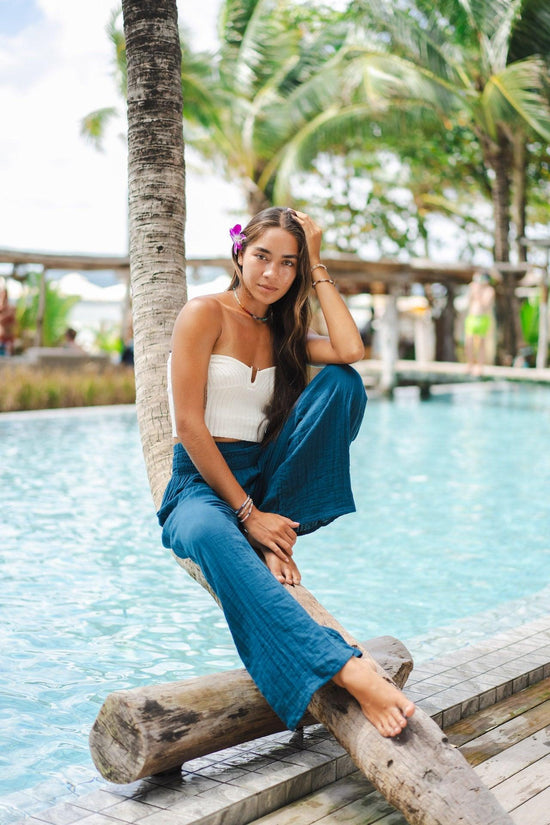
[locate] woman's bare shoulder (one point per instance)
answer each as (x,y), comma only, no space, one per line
(201,309)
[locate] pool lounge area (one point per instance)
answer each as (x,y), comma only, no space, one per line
(467,583)
(492,699)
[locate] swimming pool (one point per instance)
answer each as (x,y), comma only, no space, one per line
(453,519)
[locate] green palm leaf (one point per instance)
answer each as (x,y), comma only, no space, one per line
(518,94)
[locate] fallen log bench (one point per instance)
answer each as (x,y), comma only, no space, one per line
(147,730)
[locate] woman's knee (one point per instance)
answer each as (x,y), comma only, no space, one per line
(195,529)
(343,379)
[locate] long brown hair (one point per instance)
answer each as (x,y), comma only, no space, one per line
(289,318)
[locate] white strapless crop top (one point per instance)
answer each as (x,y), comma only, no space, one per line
(235,399)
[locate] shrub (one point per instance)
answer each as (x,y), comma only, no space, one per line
(30,388)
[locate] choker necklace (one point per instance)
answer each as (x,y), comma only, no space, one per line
(256,317)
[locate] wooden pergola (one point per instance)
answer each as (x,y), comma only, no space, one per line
(353,276)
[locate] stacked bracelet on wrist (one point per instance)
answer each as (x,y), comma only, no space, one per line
(245,509)
(320,280)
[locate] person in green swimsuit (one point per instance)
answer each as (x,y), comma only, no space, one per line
(481,298)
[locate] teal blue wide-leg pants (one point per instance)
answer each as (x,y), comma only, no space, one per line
(304,475)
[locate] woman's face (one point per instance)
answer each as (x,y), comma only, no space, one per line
(269,265)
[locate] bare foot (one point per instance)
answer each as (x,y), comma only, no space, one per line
(285,571)
(381,701)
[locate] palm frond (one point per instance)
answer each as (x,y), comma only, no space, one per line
(116,36)
(496,42)
(486,17)
(531,33)
(519,94)
(94,125)
(390,78)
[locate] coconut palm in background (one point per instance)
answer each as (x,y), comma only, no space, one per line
(291,81)
(481,63)
(263,93)
(478,63)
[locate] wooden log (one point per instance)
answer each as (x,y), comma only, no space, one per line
(419,772)
(152,729)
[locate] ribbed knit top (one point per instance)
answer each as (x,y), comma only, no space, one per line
(236,397)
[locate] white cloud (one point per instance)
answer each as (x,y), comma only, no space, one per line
(57,192)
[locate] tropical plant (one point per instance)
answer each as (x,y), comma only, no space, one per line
(261,97)
(482,64)
(44,319)
(379,196)
(459,59)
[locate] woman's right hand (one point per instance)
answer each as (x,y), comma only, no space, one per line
(272,531)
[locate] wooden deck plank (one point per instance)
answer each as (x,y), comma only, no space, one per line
(506,735)
(325,802)
(467,729)
(524,785)
(508,744)
(505,764)
(368,810)
(534,812)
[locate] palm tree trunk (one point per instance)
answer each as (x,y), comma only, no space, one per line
(256,199)
(498,157)
(519,191)
(156,191)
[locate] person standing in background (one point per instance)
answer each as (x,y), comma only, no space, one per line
(481,299)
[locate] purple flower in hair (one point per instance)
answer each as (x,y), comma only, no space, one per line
(237,237)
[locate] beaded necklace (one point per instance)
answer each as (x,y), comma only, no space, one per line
(256,317)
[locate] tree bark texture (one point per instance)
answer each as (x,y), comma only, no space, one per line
(156,191)
(147,730)
(499,157)
(519,192)
(445,329)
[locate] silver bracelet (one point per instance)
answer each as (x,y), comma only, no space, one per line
(322,281)
(243,505)
(243,517)
(318,266)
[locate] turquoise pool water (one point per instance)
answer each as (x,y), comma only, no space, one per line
(453,519)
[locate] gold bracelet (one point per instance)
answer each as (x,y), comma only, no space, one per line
(322,281)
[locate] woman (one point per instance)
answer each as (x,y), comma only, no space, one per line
(262,456)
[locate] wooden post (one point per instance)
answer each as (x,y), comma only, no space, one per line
(151,729)
(542,345)
(389,336)
(39,334)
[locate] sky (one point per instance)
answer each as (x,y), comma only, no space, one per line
(57,192)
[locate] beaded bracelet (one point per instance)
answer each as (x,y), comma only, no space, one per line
(243,518)
(243,505)
(322,281)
